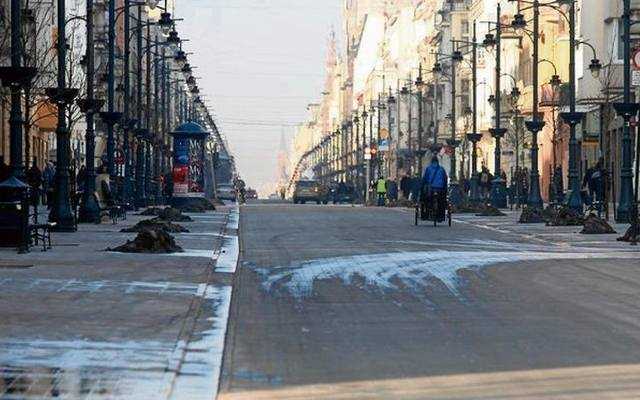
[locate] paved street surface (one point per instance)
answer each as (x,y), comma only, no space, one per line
(80,323)
(357,303)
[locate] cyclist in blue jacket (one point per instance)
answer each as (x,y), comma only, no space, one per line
(434,183)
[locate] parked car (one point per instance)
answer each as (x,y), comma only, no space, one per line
(251,194)
(307,190)
(343,193)
(226,192)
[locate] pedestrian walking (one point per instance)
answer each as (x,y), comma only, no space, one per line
(381,190)
(405,185)
(81,179)
(48,179)
(485,181)
(34,179)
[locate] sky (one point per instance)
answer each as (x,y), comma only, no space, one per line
(260,63)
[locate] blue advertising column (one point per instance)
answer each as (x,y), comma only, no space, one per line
(188,166)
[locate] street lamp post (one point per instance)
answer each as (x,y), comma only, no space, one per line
(61,212)
(474,137)
(141,133)
(356,161)
(455,195)
(534,198)
(128,122)
(390,104)
(89,209)
(626,110)
(420,86)
(111,117)
(498,195)
(573,118)
(15,117)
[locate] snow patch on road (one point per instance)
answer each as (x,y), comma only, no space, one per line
(415,270)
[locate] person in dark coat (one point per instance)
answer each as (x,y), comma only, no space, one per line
(34,179)
(48,181)
(485,181)
(405,186)
(81,179)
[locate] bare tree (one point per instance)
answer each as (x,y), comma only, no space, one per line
(75,75)
(39,53)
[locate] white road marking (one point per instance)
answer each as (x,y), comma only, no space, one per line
(199,376)
(228,258)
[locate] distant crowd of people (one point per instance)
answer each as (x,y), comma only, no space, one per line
(594,185)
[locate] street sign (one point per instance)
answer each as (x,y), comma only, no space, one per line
(367,153)
(383,145)
(635,78)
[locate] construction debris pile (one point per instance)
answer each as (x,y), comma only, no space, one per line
(153,241)
(564,216)
(490,211)
(594,225)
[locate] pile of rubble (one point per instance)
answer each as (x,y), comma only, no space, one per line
(468,208)
(197,205)
(151,211)
(154,241)
(490,211)
(594,225)
(532,215)
(170,214)
(564,216)
(156,224)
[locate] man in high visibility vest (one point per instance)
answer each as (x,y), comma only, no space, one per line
(381,189)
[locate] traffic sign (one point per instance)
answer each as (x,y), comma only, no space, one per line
(635,78)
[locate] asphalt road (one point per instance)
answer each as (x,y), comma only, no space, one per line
(357,303)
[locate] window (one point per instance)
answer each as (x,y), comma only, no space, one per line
(465,29)
(465,89)
(617,45)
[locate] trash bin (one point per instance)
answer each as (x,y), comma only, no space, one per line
(14,214)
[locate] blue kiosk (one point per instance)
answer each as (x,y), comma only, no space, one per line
(188,166)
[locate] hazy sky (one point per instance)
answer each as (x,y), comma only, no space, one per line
(260,63)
